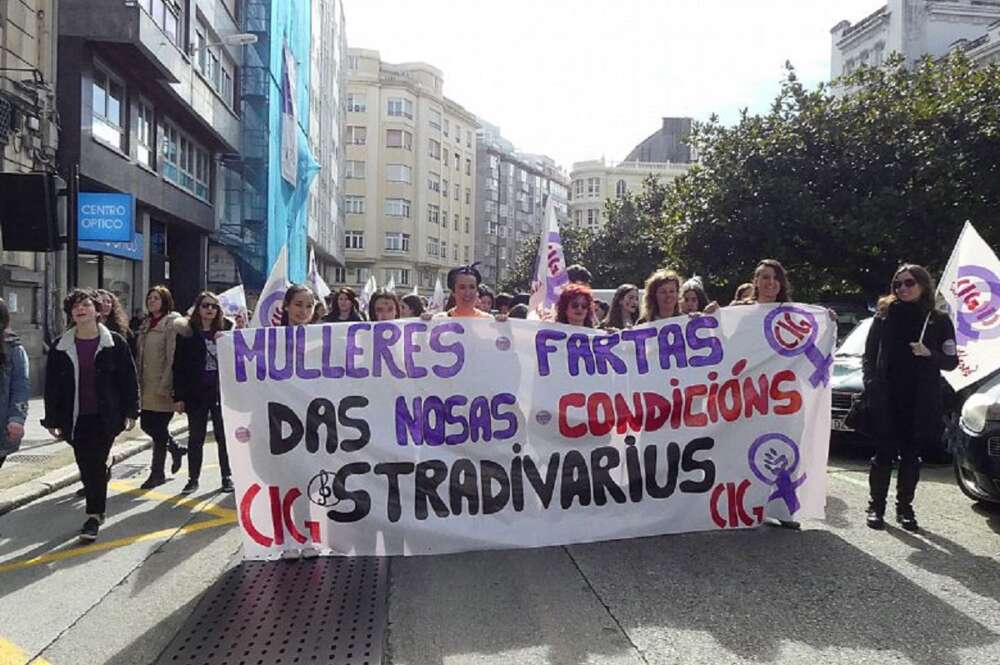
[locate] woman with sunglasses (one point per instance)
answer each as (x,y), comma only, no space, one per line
(575,306)
(196,385)
(909,344)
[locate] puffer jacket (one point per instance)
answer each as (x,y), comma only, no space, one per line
(154,362)
(15,390)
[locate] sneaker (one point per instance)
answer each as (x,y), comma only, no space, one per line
(154,480)
(227,485)
(907,519)
(191,487)
(90,529)
(176,456)
(875,520)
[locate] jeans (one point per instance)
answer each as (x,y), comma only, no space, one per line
(198,415)
(156,425)
(91,447)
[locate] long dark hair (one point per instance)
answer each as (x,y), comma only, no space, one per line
(4,324)
(615,318)
(415,304)
(351,295)
(290,293)
(927,288)
(195,319)
(166,299)
(117,321)
(383,294)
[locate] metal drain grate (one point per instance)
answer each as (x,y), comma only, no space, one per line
(323,610)
(18,458)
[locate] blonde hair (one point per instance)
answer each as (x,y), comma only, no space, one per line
(650,312)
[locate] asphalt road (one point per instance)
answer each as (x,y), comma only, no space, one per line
(836,592)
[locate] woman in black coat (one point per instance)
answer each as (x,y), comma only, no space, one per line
(91,395)
(908,346)
(196,385)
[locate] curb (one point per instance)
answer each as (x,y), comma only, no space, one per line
(54,481)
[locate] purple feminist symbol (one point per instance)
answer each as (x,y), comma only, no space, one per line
(791,331)
(269,309)
(978,292)
(773,459)
(557,277)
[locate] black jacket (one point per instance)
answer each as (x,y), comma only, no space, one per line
(189,361)
(927,410)
(117,386)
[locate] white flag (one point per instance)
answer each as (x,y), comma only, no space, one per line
(315,280)
(550,271)
(970,286)
(233,301)
(437,300)
(269,304)
(371,286)
(391,286)
(415,291)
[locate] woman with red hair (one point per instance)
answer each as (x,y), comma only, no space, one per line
(576,306)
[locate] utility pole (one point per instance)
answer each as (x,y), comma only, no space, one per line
(72,228)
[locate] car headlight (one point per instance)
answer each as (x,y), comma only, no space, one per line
(977,410)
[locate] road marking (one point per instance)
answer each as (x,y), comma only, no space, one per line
(223,517)
(843,475)
(11,654)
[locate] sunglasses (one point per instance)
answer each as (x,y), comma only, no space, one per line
(209,305)
(909,283)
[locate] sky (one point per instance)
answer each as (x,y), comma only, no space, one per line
(586,79)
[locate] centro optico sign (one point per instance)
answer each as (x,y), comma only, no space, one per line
(106,217)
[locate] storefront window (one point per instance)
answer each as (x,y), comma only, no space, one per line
(118,279)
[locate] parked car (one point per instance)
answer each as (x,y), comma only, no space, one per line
(846,380)
(849,316)
(977,446)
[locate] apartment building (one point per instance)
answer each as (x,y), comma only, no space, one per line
(410,175)
(594,181)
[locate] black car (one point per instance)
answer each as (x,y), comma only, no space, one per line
(977,446)
(847,379)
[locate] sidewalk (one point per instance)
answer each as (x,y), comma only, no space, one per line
(44,465)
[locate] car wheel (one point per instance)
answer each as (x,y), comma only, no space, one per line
(967,483)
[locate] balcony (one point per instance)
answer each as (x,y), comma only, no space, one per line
(124,23)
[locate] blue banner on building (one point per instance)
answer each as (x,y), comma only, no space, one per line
(106,217)
(127,250)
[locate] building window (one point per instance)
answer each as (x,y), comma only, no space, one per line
(444,130)
(433,214)
(458,161)
(468,166)
(465,253)
(401,276)
(398,138)
(185,163)
(457,188)
(458,134)
(357,135)
(592,217)
(593,187)
(354,205)
(354,240)
(435,120)
(354,169)
(397,207)
(352,64)
(400,107)
(456,222)
(167,15)
(145,139)
(434,182)
(454,252)
(397,242)
(466,224)
(468,195)
(578,185)
(445,189)
(620,189)
(578,217)
(108,106)
(435,149)
(445,156)
(433,248)
(340,274)
(356,102)
(398,173)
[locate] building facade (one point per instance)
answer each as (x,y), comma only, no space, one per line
(409,177)
(592,182)
(512,191)
(985,49)
(28,142)
(912,28)
(147,100)
(326,120)
(667,144)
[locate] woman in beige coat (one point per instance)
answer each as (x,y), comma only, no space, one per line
(157,339)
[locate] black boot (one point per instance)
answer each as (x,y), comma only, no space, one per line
(177,453)
(878,487)
(906,487)
(156,475)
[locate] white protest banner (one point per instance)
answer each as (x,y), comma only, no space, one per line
(414,437)
(233,301)
(970,285)
(268,312)
(550,268)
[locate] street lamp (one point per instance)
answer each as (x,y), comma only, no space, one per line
(236,39)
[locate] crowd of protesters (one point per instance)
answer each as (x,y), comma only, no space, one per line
(103,376)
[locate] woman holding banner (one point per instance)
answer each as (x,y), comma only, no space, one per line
(662,296)
(155,345)
(908,346)
(345,306)
(575,306)
(196,385)
(384,305)
(624,309)
(91,396)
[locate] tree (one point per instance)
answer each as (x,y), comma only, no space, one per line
(843,187)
